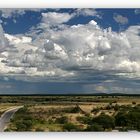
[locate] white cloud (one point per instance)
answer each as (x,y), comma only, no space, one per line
(120,19)
(90,47)
(87,12)
(137,11)
(3,41)
(6,13)
(16,40)
(54,18)
(66,52)
(13,12)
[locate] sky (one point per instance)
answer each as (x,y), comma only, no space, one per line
(69,51)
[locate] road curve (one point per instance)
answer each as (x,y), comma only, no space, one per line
(6,116)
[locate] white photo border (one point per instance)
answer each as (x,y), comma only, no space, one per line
(70,4)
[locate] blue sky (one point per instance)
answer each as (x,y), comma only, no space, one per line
(31,18)
(69,51)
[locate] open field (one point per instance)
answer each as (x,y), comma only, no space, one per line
(73,113)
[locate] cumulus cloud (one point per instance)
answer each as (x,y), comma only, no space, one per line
(3,40)
(69,50)
(54,18)
(13,40)
(120,19)
(87,12)
(90,47)
(13,12)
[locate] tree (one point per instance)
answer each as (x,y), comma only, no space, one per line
(130,119)
(121,119)
(106,121)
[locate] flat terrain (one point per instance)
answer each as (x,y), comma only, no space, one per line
(72,113)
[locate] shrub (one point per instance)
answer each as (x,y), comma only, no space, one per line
(7,130)
(84,120)
(95,127)
(70,127)
(24,125)
(121,119)
(22,120)
(22,110)
(76,109)
(108,107)
(134,103)
(106,121)
(116,107)
(114,101)
(110,103)
(20,126)
(95,110)
(39,130)
(130,119)
(62,120)
(123,129)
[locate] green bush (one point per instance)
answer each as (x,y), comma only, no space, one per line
(22,120)
(95,127)
(24,125)
(39,130)
(76,109)
(7,130)
(130,119)
(134,103)
(106,121)
(95,110)
(108,107)
(20,126)
(84,120)
(22,110)
(121,119)
(62,120)
(116,107)
(70,127)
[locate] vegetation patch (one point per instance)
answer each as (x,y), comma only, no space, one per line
(75,113)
